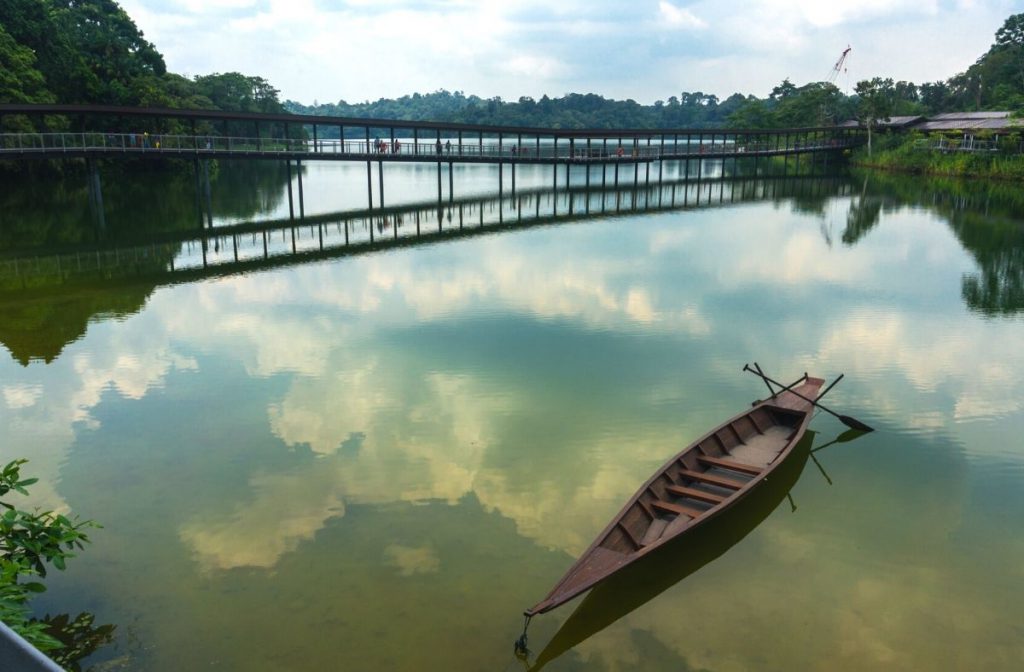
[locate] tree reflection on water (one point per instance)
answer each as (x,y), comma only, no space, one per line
(985,217)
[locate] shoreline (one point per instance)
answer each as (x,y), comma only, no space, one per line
(905,169)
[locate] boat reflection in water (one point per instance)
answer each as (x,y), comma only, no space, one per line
(642,581)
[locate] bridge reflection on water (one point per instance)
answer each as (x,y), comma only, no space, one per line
(185,256)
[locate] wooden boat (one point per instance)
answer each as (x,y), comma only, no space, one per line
(641,581)
(698,484)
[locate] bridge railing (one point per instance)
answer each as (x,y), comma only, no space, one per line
(141,143)
(50,143)
(432,151)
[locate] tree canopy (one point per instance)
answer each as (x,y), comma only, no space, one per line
(90,51)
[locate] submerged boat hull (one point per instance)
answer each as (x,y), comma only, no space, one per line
(696,485)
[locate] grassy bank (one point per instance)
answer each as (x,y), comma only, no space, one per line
(909,154)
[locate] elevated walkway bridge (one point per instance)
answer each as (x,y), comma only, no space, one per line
(120,132)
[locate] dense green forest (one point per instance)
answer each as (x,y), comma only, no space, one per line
(90,51)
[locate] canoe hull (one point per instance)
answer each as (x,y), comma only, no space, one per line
(696,485)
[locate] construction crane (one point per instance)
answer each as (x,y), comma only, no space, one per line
(838,67)
(828,112)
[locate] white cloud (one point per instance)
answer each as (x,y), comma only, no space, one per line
(535,66)
(679,17)
(533,48)
(21,396)
(818,14)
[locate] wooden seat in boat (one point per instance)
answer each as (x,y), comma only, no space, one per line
(693,493)
(677,509)
(711,479)
(729,464)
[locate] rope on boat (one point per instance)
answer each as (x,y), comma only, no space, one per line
(520,645)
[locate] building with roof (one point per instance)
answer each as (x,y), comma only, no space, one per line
(948,121)
(970,121)
(994,127)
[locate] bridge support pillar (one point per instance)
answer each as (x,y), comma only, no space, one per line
(199,191)
(369,182)
(291,201)
(513,169)
(439,197)
(209,196)
(451,184)
(380,182)
(302,203)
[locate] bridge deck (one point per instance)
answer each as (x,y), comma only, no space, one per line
(605,150)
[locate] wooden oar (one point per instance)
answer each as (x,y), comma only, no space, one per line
(831,385)
(853,423)
(800,380)
(771,389)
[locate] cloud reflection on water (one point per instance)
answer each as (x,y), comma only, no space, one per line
(372,420)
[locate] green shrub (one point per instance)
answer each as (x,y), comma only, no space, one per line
(31,543)
(915,153)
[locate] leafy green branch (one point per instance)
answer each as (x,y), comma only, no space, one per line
(30,543)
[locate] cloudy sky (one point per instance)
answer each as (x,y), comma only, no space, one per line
(355,50)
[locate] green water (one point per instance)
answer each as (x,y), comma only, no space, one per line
(377,461)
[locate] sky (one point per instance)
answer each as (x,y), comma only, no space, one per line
(647,50)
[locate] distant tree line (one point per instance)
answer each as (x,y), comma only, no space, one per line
(90,51)
(994,82)
(574,110)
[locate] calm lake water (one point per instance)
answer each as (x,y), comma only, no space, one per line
(375,457)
